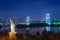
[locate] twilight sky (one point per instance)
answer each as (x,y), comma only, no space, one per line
(32,8)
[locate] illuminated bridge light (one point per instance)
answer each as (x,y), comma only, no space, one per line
(48,21)
(58,22)
(56,27)
(28,20)
(55,23)
(48,28)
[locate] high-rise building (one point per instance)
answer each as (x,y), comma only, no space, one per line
(48,21)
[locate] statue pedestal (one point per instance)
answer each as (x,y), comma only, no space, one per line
(12,35)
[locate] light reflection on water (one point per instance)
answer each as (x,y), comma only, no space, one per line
(23,30)
(32,30)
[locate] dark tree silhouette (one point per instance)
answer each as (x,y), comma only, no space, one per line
(44,35)
(0,27)
(5,33)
